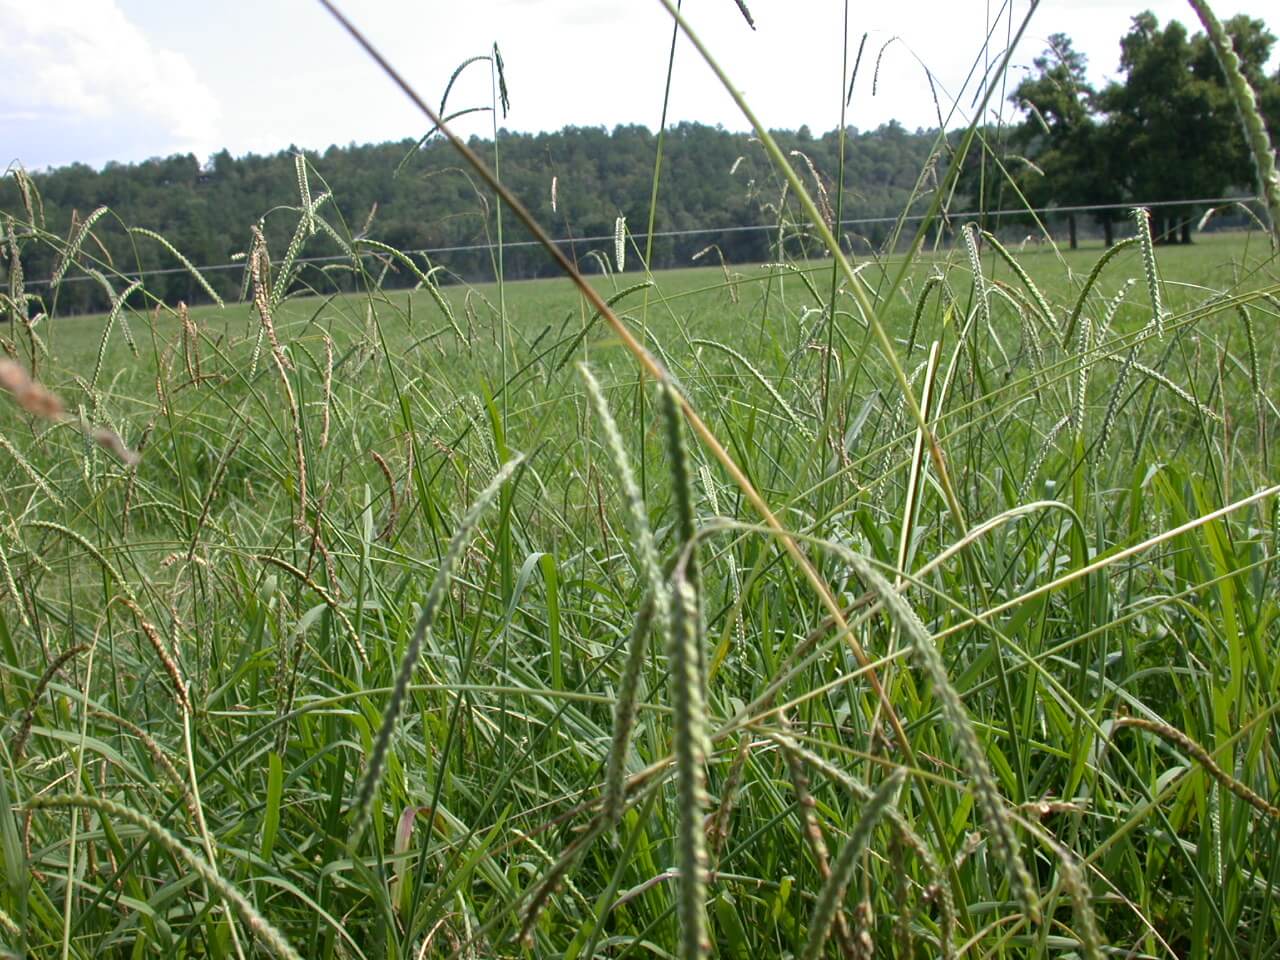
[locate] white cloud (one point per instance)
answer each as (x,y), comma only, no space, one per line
(82,80)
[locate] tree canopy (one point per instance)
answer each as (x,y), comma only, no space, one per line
(1167,131)
(715,182)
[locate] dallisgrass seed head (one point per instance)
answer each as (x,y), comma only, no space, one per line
(1142,217)
(934,280)
(1031,335)
(8,925)
(1086,923)
(30,193)
(1090,280)
(363,805)
(1110,311)
(804,801)
(76,240)
(1201,756)
(158,755)
(718,832)
(17,291)
(304,193)
(653,614)
(178,685)
(270,937)
(11,587)
(805,805)
(327,390)
(731,562)
(19,743)
(393,502)
(688,737)
(1176,389)
(682,492)
(833,891)
(556,875)
(25,465)
(824,202)
(1082,375)
(637,516)
(199,278)
(263,298)
(939,890)
(760,378)
(329,600)
(1046,448)
(624,711)
(1251,118)
(287,271)
(1042,305)
(970,233)
(1004,840)
(1255,381)
(1114,403)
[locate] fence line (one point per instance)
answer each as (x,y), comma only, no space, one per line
(701,231)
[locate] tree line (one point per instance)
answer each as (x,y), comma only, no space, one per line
(1166,130)
(418,197)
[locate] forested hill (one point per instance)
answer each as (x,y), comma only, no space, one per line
(420,199)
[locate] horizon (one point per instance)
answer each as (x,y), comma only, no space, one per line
(126,81)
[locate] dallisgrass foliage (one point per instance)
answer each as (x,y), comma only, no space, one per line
(417,624)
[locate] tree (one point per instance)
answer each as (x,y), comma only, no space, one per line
(1253,43)
(1065,148)
(1175,119)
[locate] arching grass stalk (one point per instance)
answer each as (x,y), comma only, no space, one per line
(1203,757)
(272,938)
(430,607)
(1094,273)
(832,894)
(938,889)
(805,805)
(654,611)
(1036,296)
(828,238)
(682,490)
(654,182)
(845,100)
(985,789)
(1246,101)
(688,739)
(1142,217)
(760,378)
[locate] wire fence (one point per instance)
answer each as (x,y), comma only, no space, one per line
(699,231)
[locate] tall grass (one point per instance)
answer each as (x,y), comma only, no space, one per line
(910,667)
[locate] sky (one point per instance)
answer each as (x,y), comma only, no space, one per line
(94,81)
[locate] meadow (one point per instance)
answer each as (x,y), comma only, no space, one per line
(426,623)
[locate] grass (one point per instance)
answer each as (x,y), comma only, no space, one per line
(365,716)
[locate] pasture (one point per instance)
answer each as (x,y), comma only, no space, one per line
(273,687)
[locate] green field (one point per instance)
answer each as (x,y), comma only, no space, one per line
(1066,641)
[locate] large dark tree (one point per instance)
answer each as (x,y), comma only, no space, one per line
(1174,120)
(1071,150)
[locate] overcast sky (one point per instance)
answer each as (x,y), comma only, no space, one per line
(100,80)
